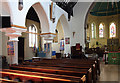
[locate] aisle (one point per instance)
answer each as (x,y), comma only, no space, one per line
(109,73)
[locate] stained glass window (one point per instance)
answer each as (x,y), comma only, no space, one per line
(101,27)
(112,30)
(93,27)
(32,37)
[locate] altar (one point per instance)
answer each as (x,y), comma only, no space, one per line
(114,58)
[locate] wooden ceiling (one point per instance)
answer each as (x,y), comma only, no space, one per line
(67,5)
(105,8)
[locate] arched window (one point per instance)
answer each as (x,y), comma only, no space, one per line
(101,28)
(32,36)
(93,27)
(112,30)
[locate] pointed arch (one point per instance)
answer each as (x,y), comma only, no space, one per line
(41,15)
(65,24)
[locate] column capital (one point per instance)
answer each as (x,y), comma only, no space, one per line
(13,32)
(48,37)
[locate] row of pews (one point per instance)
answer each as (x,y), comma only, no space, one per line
(54,71)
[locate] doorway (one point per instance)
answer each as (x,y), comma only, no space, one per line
(20,50)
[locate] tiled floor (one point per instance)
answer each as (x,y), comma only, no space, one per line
(109,73)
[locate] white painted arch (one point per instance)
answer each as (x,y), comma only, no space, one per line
(41,15)
(19,17)
(78,22)
(66,32)
(65,25)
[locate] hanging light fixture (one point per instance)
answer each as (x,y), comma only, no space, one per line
(20,4)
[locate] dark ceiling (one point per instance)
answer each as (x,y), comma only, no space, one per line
(32,15)
(105,8)
(67,6)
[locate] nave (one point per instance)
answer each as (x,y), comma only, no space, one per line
(61,37)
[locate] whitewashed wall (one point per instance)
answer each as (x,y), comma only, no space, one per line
(41,7)
(77,23)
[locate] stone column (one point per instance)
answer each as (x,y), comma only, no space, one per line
(49,54)
(15,57)
(48,37)
(13,33)
(13,37)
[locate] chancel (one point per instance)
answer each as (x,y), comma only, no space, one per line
(59,41)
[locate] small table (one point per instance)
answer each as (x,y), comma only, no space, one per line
(36,58)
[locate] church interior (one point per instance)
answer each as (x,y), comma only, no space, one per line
(59,41)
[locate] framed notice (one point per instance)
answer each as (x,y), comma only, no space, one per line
(67,40)
(11,48)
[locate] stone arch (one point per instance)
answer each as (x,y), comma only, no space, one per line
(66,31)
(65,24)
(41,15)
(86,17)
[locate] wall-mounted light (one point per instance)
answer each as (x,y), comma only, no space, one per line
(73,34)
(20,4)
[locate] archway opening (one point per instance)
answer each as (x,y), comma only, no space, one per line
(105,16)
(61,43)
(32,43)
(58,41)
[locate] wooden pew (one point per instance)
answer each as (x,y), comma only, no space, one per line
(66,63)
(7,81)
(73,68)
(47,78)
(76,61)
(77,66)
(58,70)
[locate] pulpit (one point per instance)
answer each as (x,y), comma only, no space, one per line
(76,51)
